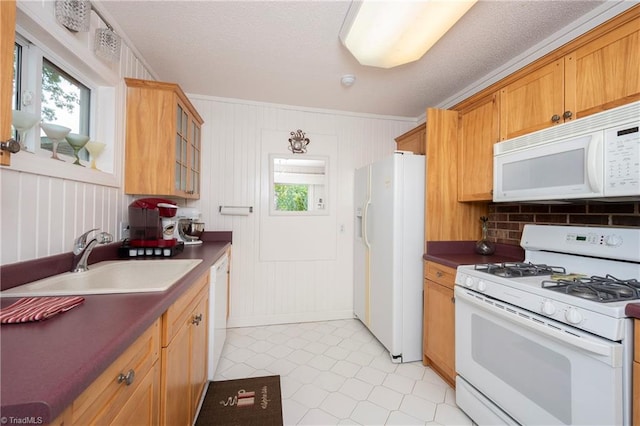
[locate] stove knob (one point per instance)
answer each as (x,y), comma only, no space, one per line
(468,282)
(613,240)
(573,316)
(482,286)
(548,308)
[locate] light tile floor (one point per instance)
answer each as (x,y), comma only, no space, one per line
(336,372)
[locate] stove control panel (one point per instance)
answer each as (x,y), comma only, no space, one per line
(611,240)
(607,243)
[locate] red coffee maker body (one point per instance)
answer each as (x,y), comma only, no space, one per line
(150,223)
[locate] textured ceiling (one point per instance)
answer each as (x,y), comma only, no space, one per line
(288,52)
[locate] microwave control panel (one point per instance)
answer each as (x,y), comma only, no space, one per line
(622,160)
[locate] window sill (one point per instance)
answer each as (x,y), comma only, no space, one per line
(31,163)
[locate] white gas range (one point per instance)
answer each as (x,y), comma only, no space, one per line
(547,341)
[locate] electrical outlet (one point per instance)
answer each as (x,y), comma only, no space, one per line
(124,230)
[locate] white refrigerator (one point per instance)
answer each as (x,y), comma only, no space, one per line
(388,249)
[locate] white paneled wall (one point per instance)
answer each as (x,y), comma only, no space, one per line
(268,292)
(41,215)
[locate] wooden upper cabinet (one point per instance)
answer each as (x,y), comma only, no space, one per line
(162,148)
(445,218)
(413,141)
(598,71)
(604,73)
(533,102)
(7,36)
(478,130)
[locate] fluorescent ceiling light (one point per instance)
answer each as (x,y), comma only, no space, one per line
(386,34)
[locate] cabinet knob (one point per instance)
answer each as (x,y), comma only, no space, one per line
(127,378)
(196,319)
(567,115)
(555,118)
(439,274)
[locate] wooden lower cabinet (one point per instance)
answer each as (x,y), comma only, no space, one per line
(635,394)
(184,355)
(439,321)
(160,378)
(127,392)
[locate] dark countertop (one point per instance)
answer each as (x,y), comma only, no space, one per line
(46,365)
(632,310)
(456,253)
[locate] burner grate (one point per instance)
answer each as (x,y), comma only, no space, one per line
(599,289)
(519,269)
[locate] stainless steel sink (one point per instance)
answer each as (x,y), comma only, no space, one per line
(119,276)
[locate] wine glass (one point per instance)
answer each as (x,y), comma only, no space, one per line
(95,149)
(56,134)
(23,121)
(77,142)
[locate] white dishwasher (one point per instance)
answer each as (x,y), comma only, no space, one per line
(217,312)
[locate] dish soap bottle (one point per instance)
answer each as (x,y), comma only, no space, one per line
(484,246)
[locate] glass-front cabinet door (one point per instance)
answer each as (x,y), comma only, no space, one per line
(182,145)
(162,153)
(187,165)
(194,158)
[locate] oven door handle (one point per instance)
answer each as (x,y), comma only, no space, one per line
(611,352)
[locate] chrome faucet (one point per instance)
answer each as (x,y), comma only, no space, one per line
(82,249)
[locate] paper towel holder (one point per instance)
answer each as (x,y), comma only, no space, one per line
(235,210)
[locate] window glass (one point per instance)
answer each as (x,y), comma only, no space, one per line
(65,101)
(291,198)
(17,60)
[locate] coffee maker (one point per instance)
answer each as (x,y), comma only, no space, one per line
(189,227)
(152,224)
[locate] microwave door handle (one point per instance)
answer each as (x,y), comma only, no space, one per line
(594,162)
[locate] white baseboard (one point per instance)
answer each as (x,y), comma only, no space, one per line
(260,320)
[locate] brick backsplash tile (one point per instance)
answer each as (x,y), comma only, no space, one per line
(568,208)
(625,220)
(551,218)
(505,208)
(521,217)
(584,219)
(534,208)
(612,208)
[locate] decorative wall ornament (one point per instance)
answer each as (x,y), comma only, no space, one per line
(298,142)
(74,14)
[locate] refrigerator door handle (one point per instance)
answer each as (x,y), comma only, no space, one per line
(365,216)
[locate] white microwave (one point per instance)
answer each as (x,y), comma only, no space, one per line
(596,157)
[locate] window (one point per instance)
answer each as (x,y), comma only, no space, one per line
(298,185)
(61,99)
(59,80)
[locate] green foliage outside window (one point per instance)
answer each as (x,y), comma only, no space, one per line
(291,198)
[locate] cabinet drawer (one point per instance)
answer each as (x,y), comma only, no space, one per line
(104,398)
(177,313)
(440,274)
